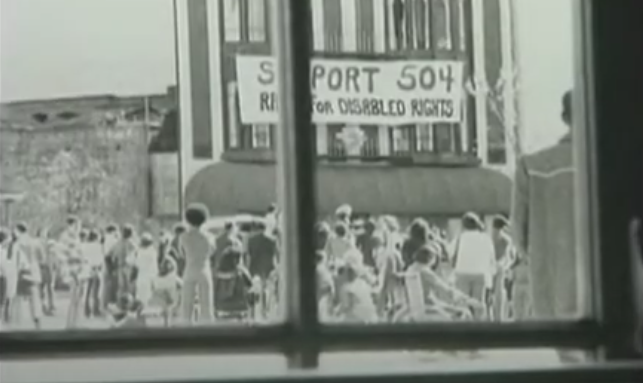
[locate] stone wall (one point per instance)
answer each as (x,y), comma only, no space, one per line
(97,172)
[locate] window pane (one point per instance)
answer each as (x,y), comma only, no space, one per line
(404,163)
(110,146)
(439,360)
(430,234)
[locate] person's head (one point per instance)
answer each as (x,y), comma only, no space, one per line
(419,230)
(178,229)
(147,240)
(168,266)
(471,222)
(260,227)
(320,257)
(390,223)
(370,227)
(111,230)
(83,235)
(341,229)
(4,236)
(567,108)
(323,233)
(427,255)
(196,215)
(93,236)
(127,232)
(229,227)
(348,272)
(500,224)
(73,222)
(21,229)
(344,212)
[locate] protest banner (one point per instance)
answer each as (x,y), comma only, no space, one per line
(359,91)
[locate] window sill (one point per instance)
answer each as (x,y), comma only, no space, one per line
(273,368)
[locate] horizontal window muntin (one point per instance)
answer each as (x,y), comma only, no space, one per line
(282,338)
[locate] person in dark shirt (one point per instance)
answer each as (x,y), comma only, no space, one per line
(262,258)
(418,238)
(367,243)
(175,250)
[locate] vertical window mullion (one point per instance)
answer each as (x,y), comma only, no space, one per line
(296,168)
(606,103)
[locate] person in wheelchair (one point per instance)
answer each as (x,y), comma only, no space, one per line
(233,286)
(441,298)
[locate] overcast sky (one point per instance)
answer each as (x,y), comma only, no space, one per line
(54,48)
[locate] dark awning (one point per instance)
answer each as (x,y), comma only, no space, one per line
(230,188)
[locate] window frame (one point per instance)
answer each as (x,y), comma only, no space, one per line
(612,68)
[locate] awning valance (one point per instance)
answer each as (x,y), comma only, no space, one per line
(230,188)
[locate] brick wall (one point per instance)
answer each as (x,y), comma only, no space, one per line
(99,173)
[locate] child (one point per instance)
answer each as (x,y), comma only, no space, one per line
(166,290)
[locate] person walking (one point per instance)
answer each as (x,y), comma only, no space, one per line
(474,260)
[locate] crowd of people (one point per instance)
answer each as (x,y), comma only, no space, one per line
(368,270)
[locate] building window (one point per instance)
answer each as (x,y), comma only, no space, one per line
(256,20)
(403,139)
(232,20)
(261,137)
(336,146)
(233,116)
(333,25)
(441,19)
(245,20)
(421,24)
(460,7)
(408,24)
(425,137)
(365,26)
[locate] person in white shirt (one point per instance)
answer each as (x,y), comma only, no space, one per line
(8,276)
(474,260)
(94,257)
(148,269)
